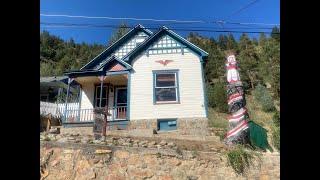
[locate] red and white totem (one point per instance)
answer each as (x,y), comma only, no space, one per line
(238,131)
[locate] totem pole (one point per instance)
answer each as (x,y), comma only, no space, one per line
(238,131)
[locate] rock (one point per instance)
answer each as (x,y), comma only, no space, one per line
(152,143)
(95,160)
(54,131)
(121,154)
(126,144)
(171,144)
(166,177)
(143,166)
(54,163)
(71,138)
(99,165)
(77,141)
(103,151)
(62,140)
(158,146)
(163,143)
(174,162)
(92,174)
(192,177)
(68,151)
(154,131)
(96,141)
(141,174)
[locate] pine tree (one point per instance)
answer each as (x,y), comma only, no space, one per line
(118,33)
(275,33)
(248,61)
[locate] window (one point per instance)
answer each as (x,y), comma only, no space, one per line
(166,86)
(167,124)
(97,96)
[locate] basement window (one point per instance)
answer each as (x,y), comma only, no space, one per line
(167,124)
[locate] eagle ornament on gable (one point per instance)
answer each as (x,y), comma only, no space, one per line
(164,62)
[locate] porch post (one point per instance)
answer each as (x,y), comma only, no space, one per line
(101,87)
(128,95)
(80,97)
(66,102)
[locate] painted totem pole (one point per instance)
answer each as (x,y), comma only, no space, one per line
(238,131)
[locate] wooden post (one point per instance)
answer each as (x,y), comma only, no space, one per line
(66,103)
(49,117)
(106,113)
(101,87)
(79,100)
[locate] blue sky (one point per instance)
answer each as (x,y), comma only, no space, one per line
(262,11)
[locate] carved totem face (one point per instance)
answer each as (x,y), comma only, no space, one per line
(231,59)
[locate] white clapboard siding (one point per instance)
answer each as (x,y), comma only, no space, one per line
(190,87)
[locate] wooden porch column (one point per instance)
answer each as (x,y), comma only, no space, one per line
(101,87)
(66,102)
(80,97)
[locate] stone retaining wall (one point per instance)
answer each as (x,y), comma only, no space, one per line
(95,162)
(147,127)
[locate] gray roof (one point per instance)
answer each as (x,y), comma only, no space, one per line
(52,78)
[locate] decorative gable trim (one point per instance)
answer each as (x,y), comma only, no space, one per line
(156,36)
(115,45)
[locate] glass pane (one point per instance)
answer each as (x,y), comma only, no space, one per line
(121,96)
(165,80)
(165,94)
(103,102)
(104,91)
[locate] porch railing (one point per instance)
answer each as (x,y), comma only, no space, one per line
(87,115)
(74,114)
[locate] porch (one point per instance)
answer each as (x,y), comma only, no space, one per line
(109,92)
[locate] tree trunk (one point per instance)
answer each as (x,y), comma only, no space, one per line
(250,75)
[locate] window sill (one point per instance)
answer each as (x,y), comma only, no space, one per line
(159,103)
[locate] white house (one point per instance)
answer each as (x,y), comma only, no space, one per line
(149,80)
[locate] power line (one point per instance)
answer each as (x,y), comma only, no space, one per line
(151,19)
(115,26)
(121,18)
(244,7)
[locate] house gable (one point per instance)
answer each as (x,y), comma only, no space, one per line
(167,38)
(120,48)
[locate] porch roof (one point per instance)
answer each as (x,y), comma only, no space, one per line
(102,70)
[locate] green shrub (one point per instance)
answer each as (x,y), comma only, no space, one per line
(276,137)
(276,119)
(263,96)
(217,97)
(239,159)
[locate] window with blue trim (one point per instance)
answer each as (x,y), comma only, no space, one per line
(167,124)
(166,86)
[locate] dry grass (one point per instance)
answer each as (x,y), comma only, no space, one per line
(216,119)
(257,115)
(219,120)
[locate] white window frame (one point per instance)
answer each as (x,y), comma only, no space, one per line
(166,87)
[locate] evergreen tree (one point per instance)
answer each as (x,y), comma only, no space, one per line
(275,33)
(119,32)
(248,61)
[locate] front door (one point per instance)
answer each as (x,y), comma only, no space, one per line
(121,103)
